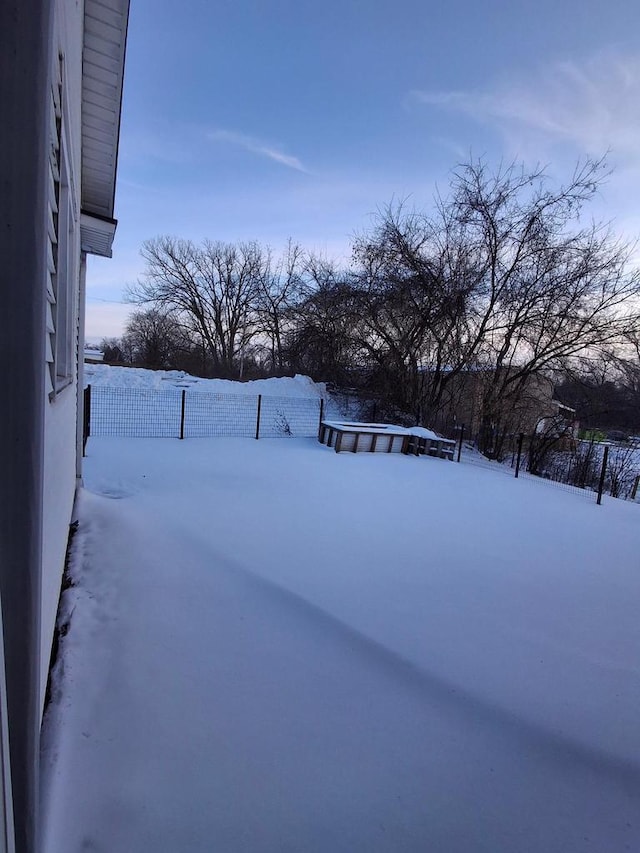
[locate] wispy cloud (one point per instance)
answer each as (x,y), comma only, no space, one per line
(594,105)
(256,146)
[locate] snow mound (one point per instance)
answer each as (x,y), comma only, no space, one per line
(163,380)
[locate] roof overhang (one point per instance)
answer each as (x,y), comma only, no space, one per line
(105,35)
(96,234)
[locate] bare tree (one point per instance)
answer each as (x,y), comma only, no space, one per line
(154,339)
(413,276)
(622,470)
(554,288)
(211,288)
(113,351)
(320,337)
(605,388)
(281,287)
(504,278)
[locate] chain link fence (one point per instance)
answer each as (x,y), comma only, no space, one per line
(587,468)
(590,469)
(145,413)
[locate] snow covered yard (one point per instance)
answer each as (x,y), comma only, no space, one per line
(274,647)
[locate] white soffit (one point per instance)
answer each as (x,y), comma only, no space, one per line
(96,234)
(105,33)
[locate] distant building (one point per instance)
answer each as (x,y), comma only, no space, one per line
(474,396)
(61,73)
(562,420)
(495,406)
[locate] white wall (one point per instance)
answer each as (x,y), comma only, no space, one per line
(59,491)
(60,412)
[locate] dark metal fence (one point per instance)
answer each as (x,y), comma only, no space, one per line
(145,413)
(586,468)
(590,469)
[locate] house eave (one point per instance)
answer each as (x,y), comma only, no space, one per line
(103,56)
(96,234)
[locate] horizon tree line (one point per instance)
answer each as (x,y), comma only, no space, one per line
(505,276)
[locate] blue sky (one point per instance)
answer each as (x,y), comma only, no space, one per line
(276,119)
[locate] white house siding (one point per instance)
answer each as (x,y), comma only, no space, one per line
(59,491)
(42,241)
(61,401)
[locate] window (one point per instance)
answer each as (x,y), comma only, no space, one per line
(62,262)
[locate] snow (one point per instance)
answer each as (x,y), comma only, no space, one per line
(345,426)
(276,647)
(388,429)
(143,403)
(164,380)
(93,354)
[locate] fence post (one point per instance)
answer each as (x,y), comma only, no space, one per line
(460,442)
(321,418)
(605,457)
(634,490)
(258,417)
(182,408)
(86,421)
(519,457)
